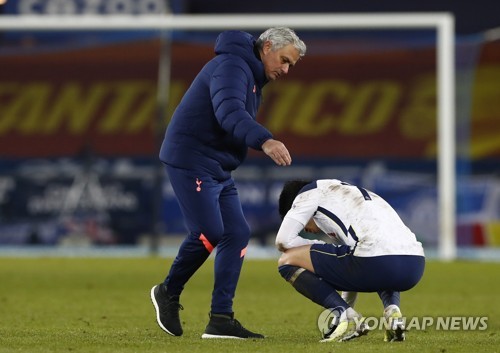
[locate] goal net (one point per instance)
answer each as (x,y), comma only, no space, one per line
(370,108)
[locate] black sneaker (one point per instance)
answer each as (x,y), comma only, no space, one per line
(167,310)
(226,326)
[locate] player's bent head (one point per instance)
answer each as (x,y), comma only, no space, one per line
(289,193)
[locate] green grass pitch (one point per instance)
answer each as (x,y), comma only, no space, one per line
(103,305)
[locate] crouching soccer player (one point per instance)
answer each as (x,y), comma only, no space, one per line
(371,251)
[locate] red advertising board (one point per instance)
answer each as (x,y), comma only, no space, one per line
(379,103)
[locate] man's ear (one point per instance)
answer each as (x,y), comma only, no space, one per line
(266,48)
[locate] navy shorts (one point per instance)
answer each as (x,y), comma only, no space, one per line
(344,271)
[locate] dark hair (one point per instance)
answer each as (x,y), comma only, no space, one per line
(289,193)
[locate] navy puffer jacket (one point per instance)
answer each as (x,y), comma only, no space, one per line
(214,124)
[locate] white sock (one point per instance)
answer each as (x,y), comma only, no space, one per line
(350,298)
(388,311)
(348,314)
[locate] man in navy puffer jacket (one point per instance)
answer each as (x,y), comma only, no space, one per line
(206,140)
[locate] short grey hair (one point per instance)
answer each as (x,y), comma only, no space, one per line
(281,37)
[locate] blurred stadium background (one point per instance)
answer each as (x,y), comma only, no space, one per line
(82,115)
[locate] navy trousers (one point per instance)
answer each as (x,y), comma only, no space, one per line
(344,271)
(387,275)
(214,220)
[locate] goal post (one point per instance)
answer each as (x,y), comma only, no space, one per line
(442,23)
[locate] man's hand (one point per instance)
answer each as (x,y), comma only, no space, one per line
(277,151)
(281,247)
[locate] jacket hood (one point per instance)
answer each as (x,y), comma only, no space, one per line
(242,44)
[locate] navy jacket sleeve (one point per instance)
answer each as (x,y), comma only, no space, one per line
(228,90)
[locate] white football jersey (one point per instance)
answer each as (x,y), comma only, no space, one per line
(349,215)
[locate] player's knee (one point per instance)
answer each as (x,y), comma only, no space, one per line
(289,257)
(243,231)
(289,272)
(213,233)
(283,260)
(237,232)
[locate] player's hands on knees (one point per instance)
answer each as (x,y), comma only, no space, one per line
(277,151)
